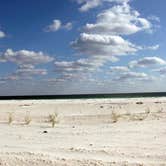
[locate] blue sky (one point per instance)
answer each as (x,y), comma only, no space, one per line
(82,46)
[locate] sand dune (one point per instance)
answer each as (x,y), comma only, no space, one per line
(105,132)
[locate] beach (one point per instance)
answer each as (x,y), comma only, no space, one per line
(83,132)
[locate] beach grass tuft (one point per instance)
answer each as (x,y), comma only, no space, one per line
(53,119)
(27,118)
(10,118)
(114,117)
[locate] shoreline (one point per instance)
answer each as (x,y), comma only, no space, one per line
(85,96)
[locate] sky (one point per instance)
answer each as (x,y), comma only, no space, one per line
(82,46)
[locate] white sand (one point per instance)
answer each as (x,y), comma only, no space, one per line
(87,133)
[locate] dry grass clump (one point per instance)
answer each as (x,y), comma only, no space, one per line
(114,117)
(27,119)
(10,118)
(53,119)
(139,117)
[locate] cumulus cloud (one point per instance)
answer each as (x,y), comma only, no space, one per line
(102,41)
(26,62)
(154,18)
(68,26)
(155,47)
(120,69)
(132,75)
(77,66)
(147,62)
(118,20)
(55,80)
(9,78)
(2,34)
(78,69)
(161,71)
(57,25)
(103,45)
(23,72)
(90,4)
(23,57)
(28,71)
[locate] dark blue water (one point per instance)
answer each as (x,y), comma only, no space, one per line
(85,96)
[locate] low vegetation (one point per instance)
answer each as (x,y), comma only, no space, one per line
(139,116)
(28,119)
(53,119)
(10,118)
(114,117)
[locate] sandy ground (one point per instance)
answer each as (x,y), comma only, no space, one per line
(98,132)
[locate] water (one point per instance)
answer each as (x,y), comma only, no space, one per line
(85,96)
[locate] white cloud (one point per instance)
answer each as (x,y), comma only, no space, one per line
(2,34)
(90,4)
(151,48)
(155,47)
(29,71)
(26,61)
(68,26)
(81,65)
(103,46)
(102,41)
(154,18)
(132,75)
(118,20)
(8,78)
(55,80)
(57,25)
(162,70)
(147,62)
(24,72)
(25,57)
(119,69)
(79,69)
